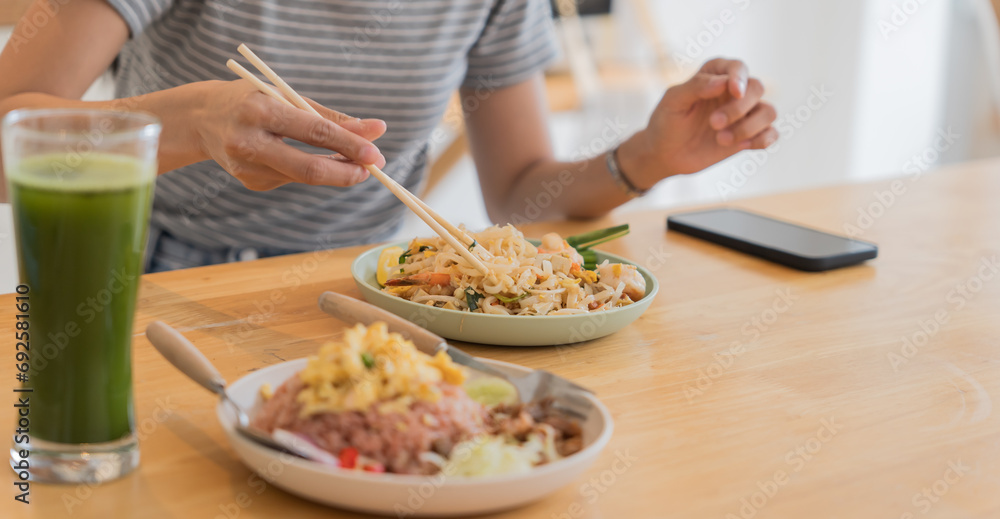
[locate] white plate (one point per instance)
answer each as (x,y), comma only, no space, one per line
(504,330)
(405,495)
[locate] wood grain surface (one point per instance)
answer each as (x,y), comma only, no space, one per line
(746,390)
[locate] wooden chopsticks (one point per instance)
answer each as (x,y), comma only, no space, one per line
(454,236)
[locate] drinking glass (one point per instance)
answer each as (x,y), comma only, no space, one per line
(80,183)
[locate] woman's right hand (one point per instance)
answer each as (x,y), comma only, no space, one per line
(229,121)
(243,130)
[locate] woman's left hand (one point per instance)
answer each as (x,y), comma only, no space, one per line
(715,114)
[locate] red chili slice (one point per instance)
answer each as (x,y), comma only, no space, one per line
(348,457)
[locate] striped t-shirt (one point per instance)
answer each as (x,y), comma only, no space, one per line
(397,60)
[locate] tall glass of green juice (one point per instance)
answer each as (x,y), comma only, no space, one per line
(80,183)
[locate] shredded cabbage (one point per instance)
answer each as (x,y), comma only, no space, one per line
(496,455)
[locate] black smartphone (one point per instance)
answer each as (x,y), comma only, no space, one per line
(782,242)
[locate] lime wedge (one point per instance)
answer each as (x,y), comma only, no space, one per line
(491,391)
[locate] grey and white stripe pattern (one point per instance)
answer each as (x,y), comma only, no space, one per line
(397,60)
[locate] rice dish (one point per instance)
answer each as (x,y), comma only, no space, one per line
(378,404)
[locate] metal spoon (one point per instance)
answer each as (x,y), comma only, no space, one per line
(193,363)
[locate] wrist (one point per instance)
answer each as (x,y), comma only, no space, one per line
(180,110)
(638,162)
(194,100)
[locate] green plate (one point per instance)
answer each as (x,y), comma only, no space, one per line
(503,330)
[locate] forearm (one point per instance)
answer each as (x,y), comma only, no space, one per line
(712,116)
(520,179)
(177,108)
(551,189)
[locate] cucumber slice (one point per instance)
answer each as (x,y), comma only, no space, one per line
(491,391)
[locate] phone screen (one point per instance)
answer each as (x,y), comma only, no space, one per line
(772,234)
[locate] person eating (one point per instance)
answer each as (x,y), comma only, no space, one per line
(244,176)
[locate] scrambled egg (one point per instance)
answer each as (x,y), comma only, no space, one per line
(371,365)
(590,276)
(266,392)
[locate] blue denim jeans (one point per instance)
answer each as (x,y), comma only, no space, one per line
(166,252)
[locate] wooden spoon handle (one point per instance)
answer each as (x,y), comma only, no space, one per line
(185,356)
(352,311)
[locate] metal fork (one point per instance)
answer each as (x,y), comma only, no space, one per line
(536,385)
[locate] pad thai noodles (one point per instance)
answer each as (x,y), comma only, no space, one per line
(550,279)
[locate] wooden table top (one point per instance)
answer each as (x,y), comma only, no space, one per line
(747,389)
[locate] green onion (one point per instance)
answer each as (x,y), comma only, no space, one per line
(473,246)
(367,360)
(472,298)
(589,259)
(403,256)
(425,247)
(589,239)
(506,299)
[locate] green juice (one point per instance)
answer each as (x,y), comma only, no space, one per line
(81,230)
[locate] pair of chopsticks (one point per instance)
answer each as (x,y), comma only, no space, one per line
(454,236)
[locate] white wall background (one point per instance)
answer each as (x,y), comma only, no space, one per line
(898,72)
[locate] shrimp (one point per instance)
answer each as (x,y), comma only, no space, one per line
(424,278)
(613,273)
(552,243)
